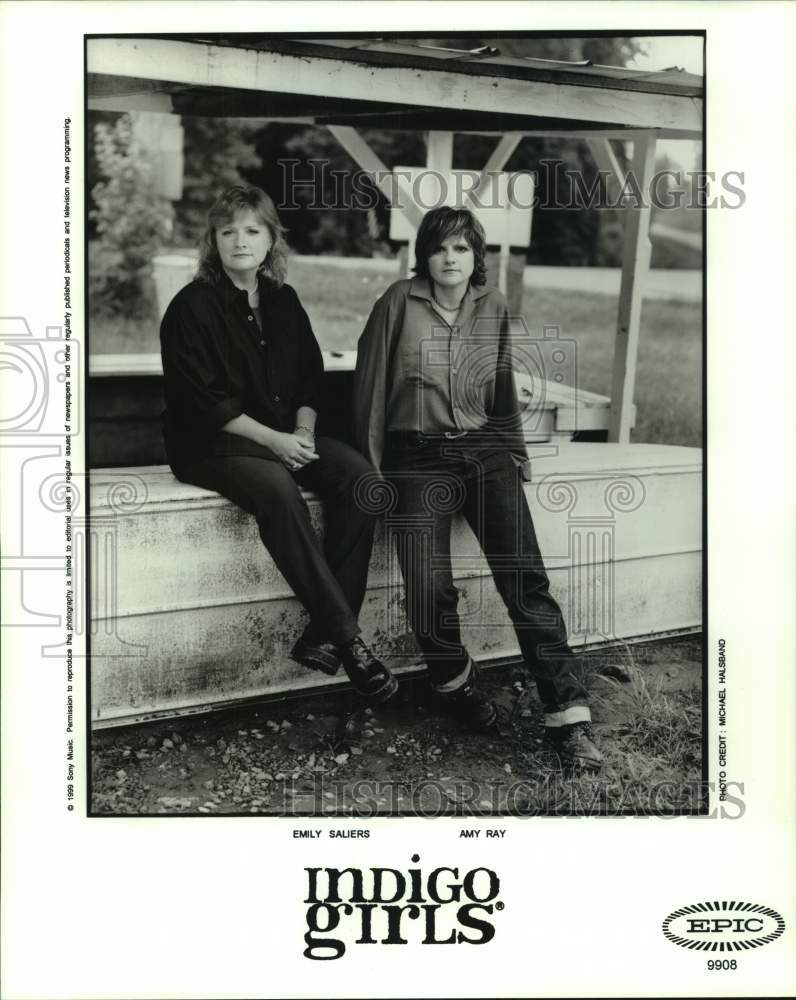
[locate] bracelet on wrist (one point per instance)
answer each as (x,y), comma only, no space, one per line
(302,427)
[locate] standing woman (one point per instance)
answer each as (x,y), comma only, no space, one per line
(436,410)
(243,378)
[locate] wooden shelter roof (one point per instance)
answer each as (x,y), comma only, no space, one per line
(343,82)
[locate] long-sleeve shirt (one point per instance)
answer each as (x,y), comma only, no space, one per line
(417,372)
(218,363)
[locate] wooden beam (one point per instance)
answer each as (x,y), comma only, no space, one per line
(607,163)
(133,365)
(418,122)
(392,187)
(439,151)
(160,103)
(202,64)
(606,159)
(684,237)
(498,159)
(635,264)
(501,154)
(620,135)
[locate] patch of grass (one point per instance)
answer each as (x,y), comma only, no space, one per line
(668,379)
(663,731)
(651,767)
(651,739)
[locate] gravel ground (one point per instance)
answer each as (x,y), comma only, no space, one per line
(328,754)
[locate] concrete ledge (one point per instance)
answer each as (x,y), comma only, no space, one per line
(188,610)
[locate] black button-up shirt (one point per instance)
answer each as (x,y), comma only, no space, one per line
(219,363)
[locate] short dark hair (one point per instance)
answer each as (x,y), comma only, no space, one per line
(238,199)
(439,225)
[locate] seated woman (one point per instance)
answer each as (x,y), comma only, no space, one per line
(436,410)
(242,383)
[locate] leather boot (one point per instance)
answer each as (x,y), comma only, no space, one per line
(368,675)
(574,745)
(467,703)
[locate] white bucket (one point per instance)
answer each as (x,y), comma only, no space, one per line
(172,271)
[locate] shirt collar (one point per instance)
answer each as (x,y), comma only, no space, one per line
(231,293)
(420,288)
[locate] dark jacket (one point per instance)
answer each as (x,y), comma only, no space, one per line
(218,364)
(483,320)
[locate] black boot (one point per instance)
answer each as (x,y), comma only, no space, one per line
(321,656)
(467,703)
(574,745)
(368,675)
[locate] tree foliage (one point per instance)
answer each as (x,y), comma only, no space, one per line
(218,153)
(131,220)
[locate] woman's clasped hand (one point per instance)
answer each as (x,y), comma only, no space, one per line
(294,450)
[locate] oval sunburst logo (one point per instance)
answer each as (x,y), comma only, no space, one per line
(723,926)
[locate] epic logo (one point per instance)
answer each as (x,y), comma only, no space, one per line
(379,902)
(723,926)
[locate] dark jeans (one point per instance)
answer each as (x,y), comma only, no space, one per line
(432,482)
(329,581)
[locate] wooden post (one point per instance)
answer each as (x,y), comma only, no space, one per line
(635,263)
(497,161)
(439,157)
(410,258)
(439,152)
(505,254)
(162,138)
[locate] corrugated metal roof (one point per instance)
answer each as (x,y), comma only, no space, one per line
(491,55)
(481,60)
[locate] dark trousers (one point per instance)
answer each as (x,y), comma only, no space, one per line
(329,580)
(431,482)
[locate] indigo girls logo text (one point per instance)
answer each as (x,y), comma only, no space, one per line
(387,906)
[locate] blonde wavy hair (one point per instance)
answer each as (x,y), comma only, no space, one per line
(238,199)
